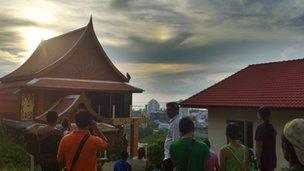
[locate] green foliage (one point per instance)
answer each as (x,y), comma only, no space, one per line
(12,155)
(146,131)
(156,147)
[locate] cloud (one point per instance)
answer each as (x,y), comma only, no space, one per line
(171,48)
(160,68)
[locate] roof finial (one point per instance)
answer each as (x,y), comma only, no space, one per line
(91,19)
(90,24)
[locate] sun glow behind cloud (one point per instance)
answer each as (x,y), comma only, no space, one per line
(34,35)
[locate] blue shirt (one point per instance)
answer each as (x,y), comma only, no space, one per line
(122,165)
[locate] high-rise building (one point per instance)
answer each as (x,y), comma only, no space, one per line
(153,106)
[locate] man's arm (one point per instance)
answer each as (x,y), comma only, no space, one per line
(247,160)
(217,165)
(98,132)
(222,160)
(258,152)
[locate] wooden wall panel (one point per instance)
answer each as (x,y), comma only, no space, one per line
(9,103)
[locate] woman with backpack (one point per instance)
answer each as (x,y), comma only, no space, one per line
(234,156)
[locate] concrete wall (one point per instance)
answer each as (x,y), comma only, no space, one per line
(218,118)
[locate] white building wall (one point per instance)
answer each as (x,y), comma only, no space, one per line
(218,120)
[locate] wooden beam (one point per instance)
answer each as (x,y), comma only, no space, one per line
(123,121)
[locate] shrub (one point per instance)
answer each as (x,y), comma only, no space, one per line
(13,156)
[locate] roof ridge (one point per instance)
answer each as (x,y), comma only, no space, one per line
(42,44)
(275,62)
(67,52)
(215,84)
(105,54)
(65,34)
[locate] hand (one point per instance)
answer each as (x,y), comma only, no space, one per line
(259,164)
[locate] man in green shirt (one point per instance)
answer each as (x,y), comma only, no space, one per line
(189,154)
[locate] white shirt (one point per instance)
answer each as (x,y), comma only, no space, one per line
(173,134)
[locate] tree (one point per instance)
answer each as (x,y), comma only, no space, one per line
(156,147)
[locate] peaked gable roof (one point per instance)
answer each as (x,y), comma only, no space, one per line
(50,53)
(276,84)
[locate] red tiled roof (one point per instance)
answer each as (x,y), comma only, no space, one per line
(79,84)
(277,84)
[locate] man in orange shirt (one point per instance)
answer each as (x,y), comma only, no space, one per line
(69,145)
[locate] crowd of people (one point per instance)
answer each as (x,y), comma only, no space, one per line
(184,152)
(76,148)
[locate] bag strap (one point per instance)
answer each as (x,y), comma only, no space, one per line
(234,155)
(80,146)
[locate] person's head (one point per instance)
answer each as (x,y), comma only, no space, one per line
(66,123)
(232,131)
(172,109)
(264,113)
(81,107)
(141,153)
(186,126)
(83,119)
(207,142)
(124,155)
(293,142)
(51,117)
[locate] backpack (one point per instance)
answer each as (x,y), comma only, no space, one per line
(48,146)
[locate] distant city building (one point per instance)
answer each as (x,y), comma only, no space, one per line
(152,107)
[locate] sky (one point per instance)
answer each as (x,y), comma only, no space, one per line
(171,48)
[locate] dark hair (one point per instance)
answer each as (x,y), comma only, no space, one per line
(173,105)
(51,117)
(186,125)
(83,118)
(207,142)
(233,131)
(141,153)
(124,155)
(291,151)
(81,106)
(65,122)
(264,112)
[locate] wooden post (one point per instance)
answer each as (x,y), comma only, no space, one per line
(113,112)
(99,110)
(110,107)
(130,111)
(134,139)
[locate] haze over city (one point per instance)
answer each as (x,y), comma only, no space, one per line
(172,49)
